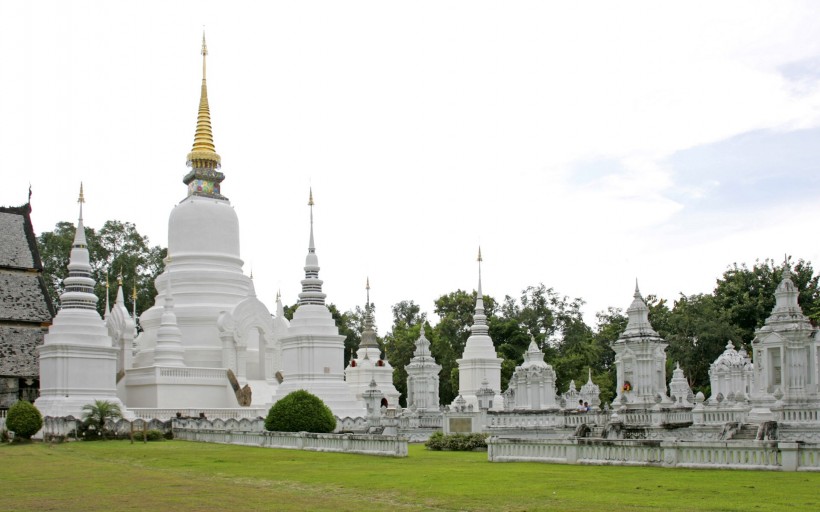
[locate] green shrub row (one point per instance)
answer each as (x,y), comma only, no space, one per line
(456,442)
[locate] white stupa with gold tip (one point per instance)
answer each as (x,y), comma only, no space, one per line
(208,320)
(479,360)
(78,362)
(313,349)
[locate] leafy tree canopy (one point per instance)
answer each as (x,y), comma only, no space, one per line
(116,249)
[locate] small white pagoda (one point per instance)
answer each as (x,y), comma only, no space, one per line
(422,377)
(479,360)
(731,373)
(368,365)
(78,363)
(532,385)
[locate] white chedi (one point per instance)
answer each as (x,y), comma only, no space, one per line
(313,349)
(479,360)
(368,365)
(78,362)
(532,385)
(679,388)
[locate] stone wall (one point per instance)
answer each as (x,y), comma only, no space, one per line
(18,350)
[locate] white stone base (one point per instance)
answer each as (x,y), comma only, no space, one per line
(61,407)
(168,387)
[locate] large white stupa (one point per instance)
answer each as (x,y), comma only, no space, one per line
(78,363)
(313,349)
(206,318)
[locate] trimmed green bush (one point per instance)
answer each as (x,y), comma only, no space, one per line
(24,419)
(300,411)
(456,442)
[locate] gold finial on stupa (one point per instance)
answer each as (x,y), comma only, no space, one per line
(310,198)
(480,259)
(81,200)
(203,154)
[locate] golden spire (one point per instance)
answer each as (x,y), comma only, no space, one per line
(203,154)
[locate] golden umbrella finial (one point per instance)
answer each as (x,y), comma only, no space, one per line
(203,154)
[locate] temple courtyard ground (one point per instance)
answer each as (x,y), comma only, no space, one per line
(183,476)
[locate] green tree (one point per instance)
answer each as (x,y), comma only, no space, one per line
(117,249)
(697,332)
(747,295)
(24,419)
(96,414)
(300,411)
(400,342)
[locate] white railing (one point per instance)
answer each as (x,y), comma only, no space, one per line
(166,414)
(798,416)
(770,455)
(391,446)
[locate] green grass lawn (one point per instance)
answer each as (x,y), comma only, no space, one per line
(181,476)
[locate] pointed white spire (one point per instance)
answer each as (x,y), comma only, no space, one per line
(786,306)
(311,284)
(638,313)
(479,326)
(311,244)
(79,285)
(369,334)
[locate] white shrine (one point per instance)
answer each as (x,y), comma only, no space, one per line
(422,377)
(532,385)
(78,362)
(786,353)
(731,374)
(368,365)
(640,357)
(479,360)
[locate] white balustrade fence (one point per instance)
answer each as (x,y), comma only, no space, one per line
(167,414)
(768,455)
(391,446)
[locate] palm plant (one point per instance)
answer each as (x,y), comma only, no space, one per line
(96,414)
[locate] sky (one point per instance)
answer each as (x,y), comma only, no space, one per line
(581,144)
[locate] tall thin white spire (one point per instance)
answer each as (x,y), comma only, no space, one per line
(479,319)
(311,284)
